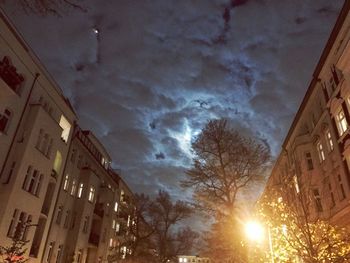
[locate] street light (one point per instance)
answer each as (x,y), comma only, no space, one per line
(255,232)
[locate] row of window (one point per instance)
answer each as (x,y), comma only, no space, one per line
(70,219)
(318,199)
(78,190)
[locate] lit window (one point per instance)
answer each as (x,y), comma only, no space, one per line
(74,187)
(341,122)
(65,125)
(80,190)
(320,151)
(117,227)
(91,194)
(66,182)
(296,184)
(180,259)
(111,242)
(185,259)
(58,162)
(113,224)
(329,141)
(5,120)
(116,207)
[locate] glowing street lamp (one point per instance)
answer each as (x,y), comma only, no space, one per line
(254,231)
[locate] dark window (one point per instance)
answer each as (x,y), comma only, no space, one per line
(309,162)
(318,202)
(5,120)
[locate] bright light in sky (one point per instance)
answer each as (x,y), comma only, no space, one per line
(254,231)
(184,138)
(96,31)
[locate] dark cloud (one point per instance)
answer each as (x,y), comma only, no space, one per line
(145,76)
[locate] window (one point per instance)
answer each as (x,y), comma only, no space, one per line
(80,190)
(74,187)
(80,161)
(296,184)
(309,162)
(91,194)
(9,175)
(65,125)
(113,223)
(86,224)
(111,242)
(331,195)
(5,120)
(59,254)
(44,144)
(13,224)
(32,181)
(49,148)
(58,162)
(329,141)
(122,196)
(320,151)
(341,186)
(79,256)
(59,214)
(74,217)
(66,220)
(18,225)
(341,122)
(116,207)
(38,185)
(317,198)
(40,139)
(66,182)
(117,227)
(73,155)
(49,252)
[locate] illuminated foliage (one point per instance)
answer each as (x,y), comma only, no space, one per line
(299,236)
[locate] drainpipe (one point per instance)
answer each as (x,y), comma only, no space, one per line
(19,124)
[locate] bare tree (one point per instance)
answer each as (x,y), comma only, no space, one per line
(46,7)
(158,235)
(225,163)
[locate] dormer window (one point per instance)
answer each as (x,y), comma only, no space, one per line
(341,122)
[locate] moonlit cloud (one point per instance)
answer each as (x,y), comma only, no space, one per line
(145,76)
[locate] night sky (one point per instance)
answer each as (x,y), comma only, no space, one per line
(145,76)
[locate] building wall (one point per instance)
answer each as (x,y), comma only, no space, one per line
(315,155)
(40,145)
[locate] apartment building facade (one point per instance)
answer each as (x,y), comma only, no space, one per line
(57,188)
(315,155)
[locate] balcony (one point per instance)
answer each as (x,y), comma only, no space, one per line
(94,239)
